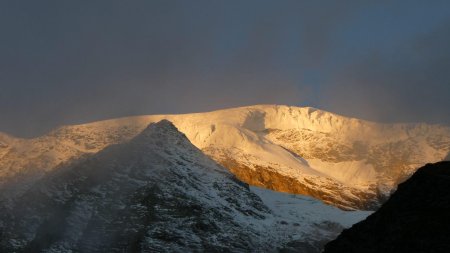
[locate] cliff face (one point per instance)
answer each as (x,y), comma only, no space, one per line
(414,219)
(330,192)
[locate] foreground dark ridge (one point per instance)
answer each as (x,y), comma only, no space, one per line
(416,218)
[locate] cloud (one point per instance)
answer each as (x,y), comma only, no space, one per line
(71,62)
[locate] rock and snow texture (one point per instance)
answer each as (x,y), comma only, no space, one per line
(350,163)
(159,193)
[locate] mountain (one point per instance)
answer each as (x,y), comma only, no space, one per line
(414,219)
(158,193)
(346,162)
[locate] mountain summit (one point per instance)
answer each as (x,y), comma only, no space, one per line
(346,162)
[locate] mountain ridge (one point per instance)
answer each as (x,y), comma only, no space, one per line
(311,149)
(256,106)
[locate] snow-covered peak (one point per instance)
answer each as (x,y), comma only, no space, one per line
(163,129)
(162,125)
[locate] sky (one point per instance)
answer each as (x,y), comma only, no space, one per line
(69,62)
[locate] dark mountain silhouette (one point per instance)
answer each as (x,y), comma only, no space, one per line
(416,218)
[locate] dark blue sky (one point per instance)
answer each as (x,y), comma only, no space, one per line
(65,62)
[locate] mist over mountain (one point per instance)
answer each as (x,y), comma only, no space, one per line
(447,158)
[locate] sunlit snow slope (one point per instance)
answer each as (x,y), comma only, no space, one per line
(346,162)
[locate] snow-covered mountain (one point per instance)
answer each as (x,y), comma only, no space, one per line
(346,162)
(159,193)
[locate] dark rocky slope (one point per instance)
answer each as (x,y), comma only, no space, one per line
(154,193)
(416,218)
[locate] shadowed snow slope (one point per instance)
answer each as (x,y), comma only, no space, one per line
(159,193)
(346,162)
